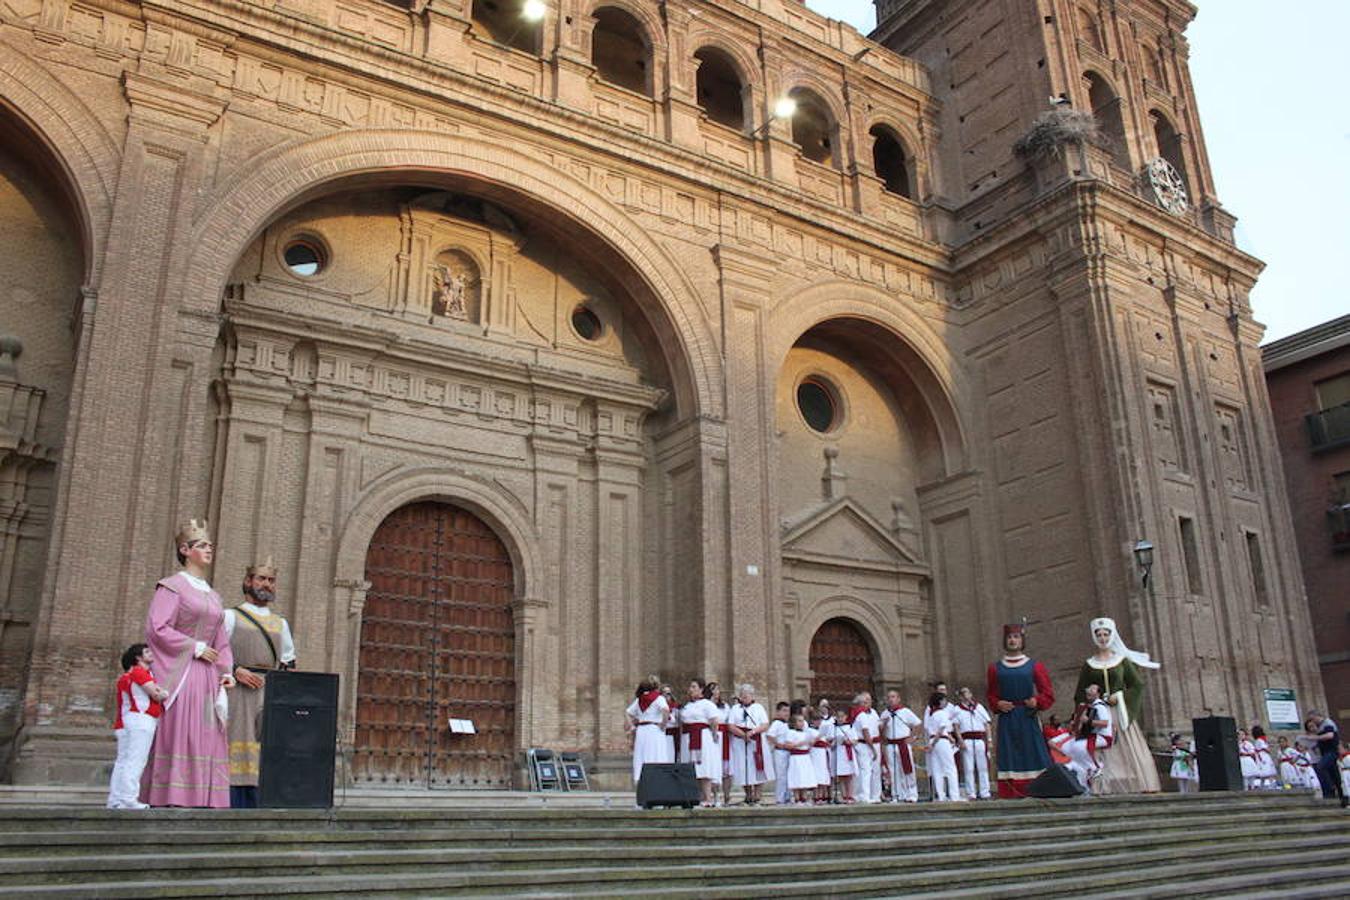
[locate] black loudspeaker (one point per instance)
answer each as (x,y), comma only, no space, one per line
(1216,753)
(1055,781)
(668,784)
(299,740)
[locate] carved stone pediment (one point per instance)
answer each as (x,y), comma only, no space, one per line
(843,534)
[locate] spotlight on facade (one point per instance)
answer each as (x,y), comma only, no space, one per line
(784,108)
(534,10)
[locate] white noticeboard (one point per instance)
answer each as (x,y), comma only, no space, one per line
(1282,709)
(462,726)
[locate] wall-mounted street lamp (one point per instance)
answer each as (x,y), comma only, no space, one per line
(783,108)
(1143,558)
(534,10)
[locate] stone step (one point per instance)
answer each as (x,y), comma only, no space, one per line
(903,826)
(354,798)
(25,818)
(109,831)
(1051,875)
(282,860)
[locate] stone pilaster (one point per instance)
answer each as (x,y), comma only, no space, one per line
(126,464)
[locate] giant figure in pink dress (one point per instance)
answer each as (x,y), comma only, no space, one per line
(189,762)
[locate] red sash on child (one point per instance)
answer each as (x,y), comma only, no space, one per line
(726,744)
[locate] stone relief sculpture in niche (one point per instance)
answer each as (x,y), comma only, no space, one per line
(455,287)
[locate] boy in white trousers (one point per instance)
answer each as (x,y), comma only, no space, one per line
(138,711)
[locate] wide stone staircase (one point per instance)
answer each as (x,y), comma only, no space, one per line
(1204,845)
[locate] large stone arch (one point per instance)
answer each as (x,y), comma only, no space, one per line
(874,627)
(289,176)
(500,510)
(503,512)
(78,144)
(934,371)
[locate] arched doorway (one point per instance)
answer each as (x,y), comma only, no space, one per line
(437,642)
(841,662)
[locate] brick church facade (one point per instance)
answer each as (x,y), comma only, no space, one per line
(544,348)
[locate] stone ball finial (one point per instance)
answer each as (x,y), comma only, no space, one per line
(831,452)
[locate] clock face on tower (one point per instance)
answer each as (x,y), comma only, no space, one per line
(1168,188)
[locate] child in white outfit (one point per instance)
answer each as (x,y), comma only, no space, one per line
(138,711)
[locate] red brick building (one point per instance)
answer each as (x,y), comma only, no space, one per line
(1308,375)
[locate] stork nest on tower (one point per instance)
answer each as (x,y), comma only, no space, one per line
(1054,129)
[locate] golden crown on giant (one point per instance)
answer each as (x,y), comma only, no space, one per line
(193,530)
(267,568)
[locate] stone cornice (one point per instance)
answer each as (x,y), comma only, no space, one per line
(291,40)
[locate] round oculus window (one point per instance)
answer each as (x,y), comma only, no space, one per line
(817,403)
(587,324)
(303,258)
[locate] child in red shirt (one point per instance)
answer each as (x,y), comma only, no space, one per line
(138,711)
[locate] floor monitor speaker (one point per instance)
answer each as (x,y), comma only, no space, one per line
(668,784)
(1055,781)
(299,740)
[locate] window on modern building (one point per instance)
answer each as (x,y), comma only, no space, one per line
(1190,555)
(504,22)
(813,128)
(1330,425)
(620,52)
(1169,145)
(1333,391)
(1258,568)
(891,162)
(720,92)
(1106,110)
(1338,511)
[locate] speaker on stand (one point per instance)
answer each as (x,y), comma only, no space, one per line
(1216,753)
(299,740)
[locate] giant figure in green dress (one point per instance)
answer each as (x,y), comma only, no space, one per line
(1115,669)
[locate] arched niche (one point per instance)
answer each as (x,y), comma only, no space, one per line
(1106,109)
(892,161)
(815,129)
(621,50)
(720,90)
(40,279)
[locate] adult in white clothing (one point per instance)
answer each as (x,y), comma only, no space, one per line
(972,726)
(898,726)
(647,716)
(699,719)
(751,754)
(867,724)
(940,726)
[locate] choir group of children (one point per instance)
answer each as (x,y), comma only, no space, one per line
(812,754)
(1289,767)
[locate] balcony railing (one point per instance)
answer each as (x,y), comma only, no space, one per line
(1330,427)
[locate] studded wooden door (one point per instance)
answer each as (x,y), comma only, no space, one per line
(841,662)
(437,641)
